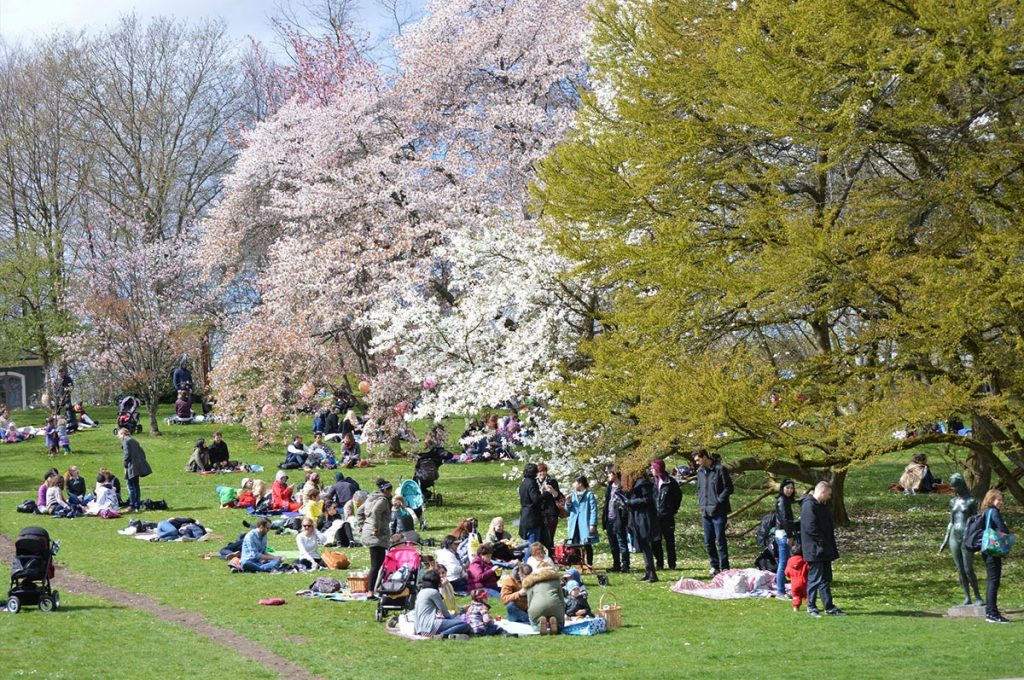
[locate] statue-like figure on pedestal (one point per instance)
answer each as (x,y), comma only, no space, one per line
(961,508)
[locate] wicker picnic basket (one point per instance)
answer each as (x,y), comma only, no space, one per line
(611,613)
(358,583)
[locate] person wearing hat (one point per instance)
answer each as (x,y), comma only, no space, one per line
(341,491)
(785,529)
(576,604)
(667,497)
(281,494)
(374,516)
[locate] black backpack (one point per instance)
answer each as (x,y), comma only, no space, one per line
(765,530)
(973,531)
(29,507)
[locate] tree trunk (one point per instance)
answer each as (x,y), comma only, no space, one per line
(838,502)
(977,473)
(152,404)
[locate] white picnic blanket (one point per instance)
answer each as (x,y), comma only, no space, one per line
(732,584)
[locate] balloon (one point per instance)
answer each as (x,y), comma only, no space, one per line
(45,399)
(307,391)
(269,410)
(402,407)
(429,384)
(364,386)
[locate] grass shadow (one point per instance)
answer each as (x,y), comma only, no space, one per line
(906,614)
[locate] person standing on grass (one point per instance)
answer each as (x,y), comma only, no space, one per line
(135,467)
(667,497)
(531,520)
(615,521)
(254,549)
(818,540)
(990,507)
(374,517)
(714,486)
(785,529)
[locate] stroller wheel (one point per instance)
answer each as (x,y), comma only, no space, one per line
(440,500)
(13,604)
(46,603)
(56,599)
(380,615)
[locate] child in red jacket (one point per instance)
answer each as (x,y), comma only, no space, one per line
(796,572)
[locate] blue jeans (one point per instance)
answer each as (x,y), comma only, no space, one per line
(166,531)
(295,459)
(452,626)
(819,581)
(780,573)
(532,536)
(515,614)
(715,542)
(134,493)
(256,565)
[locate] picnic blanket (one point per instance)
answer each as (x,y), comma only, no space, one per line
(152,537)
(732,584)
(244,467)
(341,596)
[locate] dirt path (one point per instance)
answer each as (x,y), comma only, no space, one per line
(70,581)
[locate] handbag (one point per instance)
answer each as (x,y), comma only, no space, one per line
(335,560)
(995,542)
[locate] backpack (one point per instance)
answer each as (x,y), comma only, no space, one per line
(973,530)
(325,584)
(765,530)
(29,507)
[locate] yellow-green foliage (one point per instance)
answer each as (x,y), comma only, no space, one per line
(813,199)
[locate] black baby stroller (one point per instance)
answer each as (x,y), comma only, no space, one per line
(397,582)
(128,415)
(427,472)
(32,570)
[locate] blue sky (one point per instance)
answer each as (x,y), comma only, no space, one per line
(23,20)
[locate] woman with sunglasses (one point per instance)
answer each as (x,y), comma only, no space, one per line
(309,542)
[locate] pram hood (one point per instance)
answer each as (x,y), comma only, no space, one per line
(413,495)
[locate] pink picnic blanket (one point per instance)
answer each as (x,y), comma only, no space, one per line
(732,584)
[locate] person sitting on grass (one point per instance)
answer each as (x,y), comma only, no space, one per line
(74,484)
(200,460)
(320,453)
(401,519)
(182,409)
(513,596)
(308,541)
(219,456)
(295,457)
(447,556)
(482,574)
(545,605)
(312,506)
(106,477)
(84,420)
(55,503)
(917,476)
(281,494)
(478,614)
(576,604)
(254,556)
(350,455)
(432,616)
(538,558)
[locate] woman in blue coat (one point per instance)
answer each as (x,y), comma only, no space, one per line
(582,507)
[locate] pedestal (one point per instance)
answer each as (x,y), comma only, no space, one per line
(967,611)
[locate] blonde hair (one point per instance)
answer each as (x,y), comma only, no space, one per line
(493,529)
(259,488)
(538,550)
(990,497)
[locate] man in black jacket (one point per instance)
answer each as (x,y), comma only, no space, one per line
(531,522)
(615,521)
(667,498)
(818,541)
(714,486)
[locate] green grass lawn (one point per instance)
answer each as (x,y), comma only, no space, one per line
(890,580)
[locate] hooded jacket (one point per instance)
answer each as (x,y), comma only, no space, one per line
(374,517)
(544,596)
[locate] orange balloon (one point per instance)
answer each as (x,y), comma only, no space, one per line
(364,387)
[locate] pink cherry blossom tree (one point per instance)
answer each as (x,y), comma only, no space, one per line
(140,309)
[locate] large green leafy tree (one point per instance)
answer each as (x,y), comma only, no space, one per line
(808,216)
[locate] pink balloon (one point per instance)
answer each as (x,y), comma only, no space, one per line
(429,384)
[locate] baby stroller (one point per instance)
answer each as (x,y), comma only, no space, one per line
(396,583)
(128,415)
(31,571)
(413,495)
(426,473)
(571,555)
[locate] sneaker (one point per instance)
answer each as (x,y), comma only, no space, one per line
(814,613)
(712,572)
(458,636)
(835,611)
(997,619)
(796,610)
